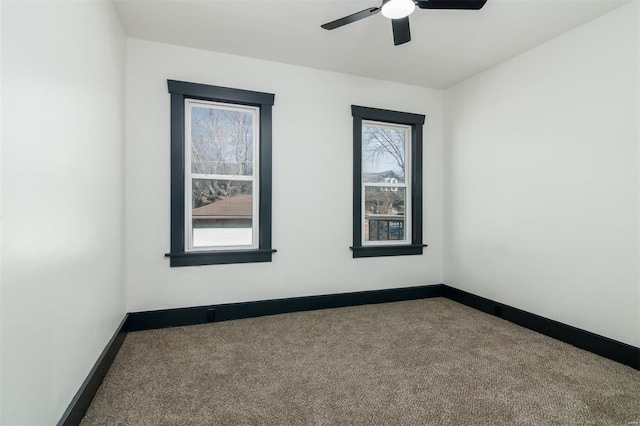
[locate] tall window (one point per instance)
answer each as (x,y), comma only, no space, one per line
(220,175)
(387,176)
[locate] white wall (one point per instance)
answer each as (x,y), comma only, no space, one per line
(1,210)
(63,82)
(541,179)
(312,182)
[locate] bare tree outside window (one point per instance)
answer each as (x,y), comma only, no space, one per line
(222,141)
(383,153)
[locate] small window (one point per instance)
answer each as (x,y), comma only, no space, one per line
(387,217)
(220,175)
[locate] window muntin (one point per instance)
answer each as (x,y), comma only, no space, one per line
(221,176)
(386,194)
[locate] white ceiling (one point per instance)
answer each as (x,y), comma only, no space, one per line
(447,46)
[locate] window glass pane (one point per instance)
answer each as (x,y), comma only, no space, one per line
(383,154)
(222,212)
(221,141)
(384,216)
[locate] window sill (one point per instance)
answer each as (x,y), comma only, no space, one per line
(219,257)
(399,250)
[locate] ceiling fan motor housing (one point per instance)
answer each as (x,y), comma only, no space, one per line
(397,9)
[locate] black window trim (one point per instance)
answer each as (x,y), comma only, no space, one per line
(416,121)
(181,90)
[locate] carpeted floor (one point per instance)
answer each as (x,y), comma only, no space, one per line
(427,362)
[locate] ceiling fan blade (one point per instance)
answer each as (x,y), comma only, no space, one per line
(351,18)
(451,4)
(401,31)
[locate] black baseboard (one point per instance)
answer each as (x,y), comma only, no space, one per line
(600,345)
(80,403)
(202,314)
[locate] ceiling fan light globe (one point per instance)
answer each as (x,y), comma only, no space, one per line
(396,9)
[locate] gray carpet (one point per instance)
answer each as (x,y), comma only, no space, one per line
(429,361)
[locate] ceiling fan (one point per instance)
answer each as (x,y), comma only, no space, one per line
(399,10)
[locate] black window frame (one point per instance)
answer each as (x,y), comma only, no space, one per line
(180,91)
(416,122)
